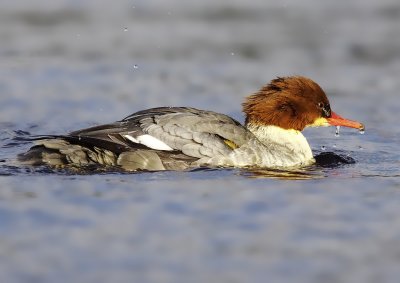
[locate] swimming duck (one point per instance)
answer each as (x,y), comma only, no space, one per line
(179,138)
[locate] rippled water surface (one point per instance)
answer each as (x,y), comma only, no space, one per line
(65,65)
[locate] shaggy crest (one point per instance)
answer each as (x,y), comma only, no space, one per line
(285,102)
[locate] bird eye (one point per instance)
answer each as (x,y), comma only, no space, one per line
(326,109)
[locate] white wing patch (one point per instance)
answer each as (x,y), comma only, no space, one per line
(149,141)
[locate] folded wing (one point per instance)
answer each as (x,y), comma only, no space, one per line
(160,138)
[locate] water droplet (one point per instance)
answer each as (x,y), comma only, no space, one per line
(362,131)
(337,133)
(135,66)
(125,29)
(323,147)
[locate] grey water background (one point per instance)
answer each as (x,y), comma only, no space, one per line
(65,65)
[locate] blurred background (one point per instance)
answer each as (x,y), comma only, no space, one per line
(96,61)
(70,64)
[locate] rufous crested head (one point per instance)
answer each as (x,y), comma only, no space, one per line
(292,103)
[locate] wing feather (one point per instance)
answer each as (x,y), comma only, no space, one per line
(193,132)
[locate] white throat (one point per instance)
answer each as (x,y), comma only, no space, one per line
(290,142)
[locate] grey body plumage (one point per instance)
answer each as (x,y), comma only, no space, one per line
(193,137)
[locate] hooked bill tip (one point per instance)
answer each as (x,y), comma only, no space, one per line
(337,120)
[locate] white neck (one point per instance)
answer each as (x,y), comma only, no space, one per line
(290,142)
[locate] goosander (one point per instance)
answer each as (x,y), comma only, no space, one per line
(179,138)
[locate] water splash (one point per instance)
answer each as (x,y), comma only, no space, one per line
(337,133)
(323,147)
(135,66)
(125,29)
(362,131)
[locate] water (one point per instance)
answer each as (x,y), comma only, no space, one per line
(337,132)
(335,223)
